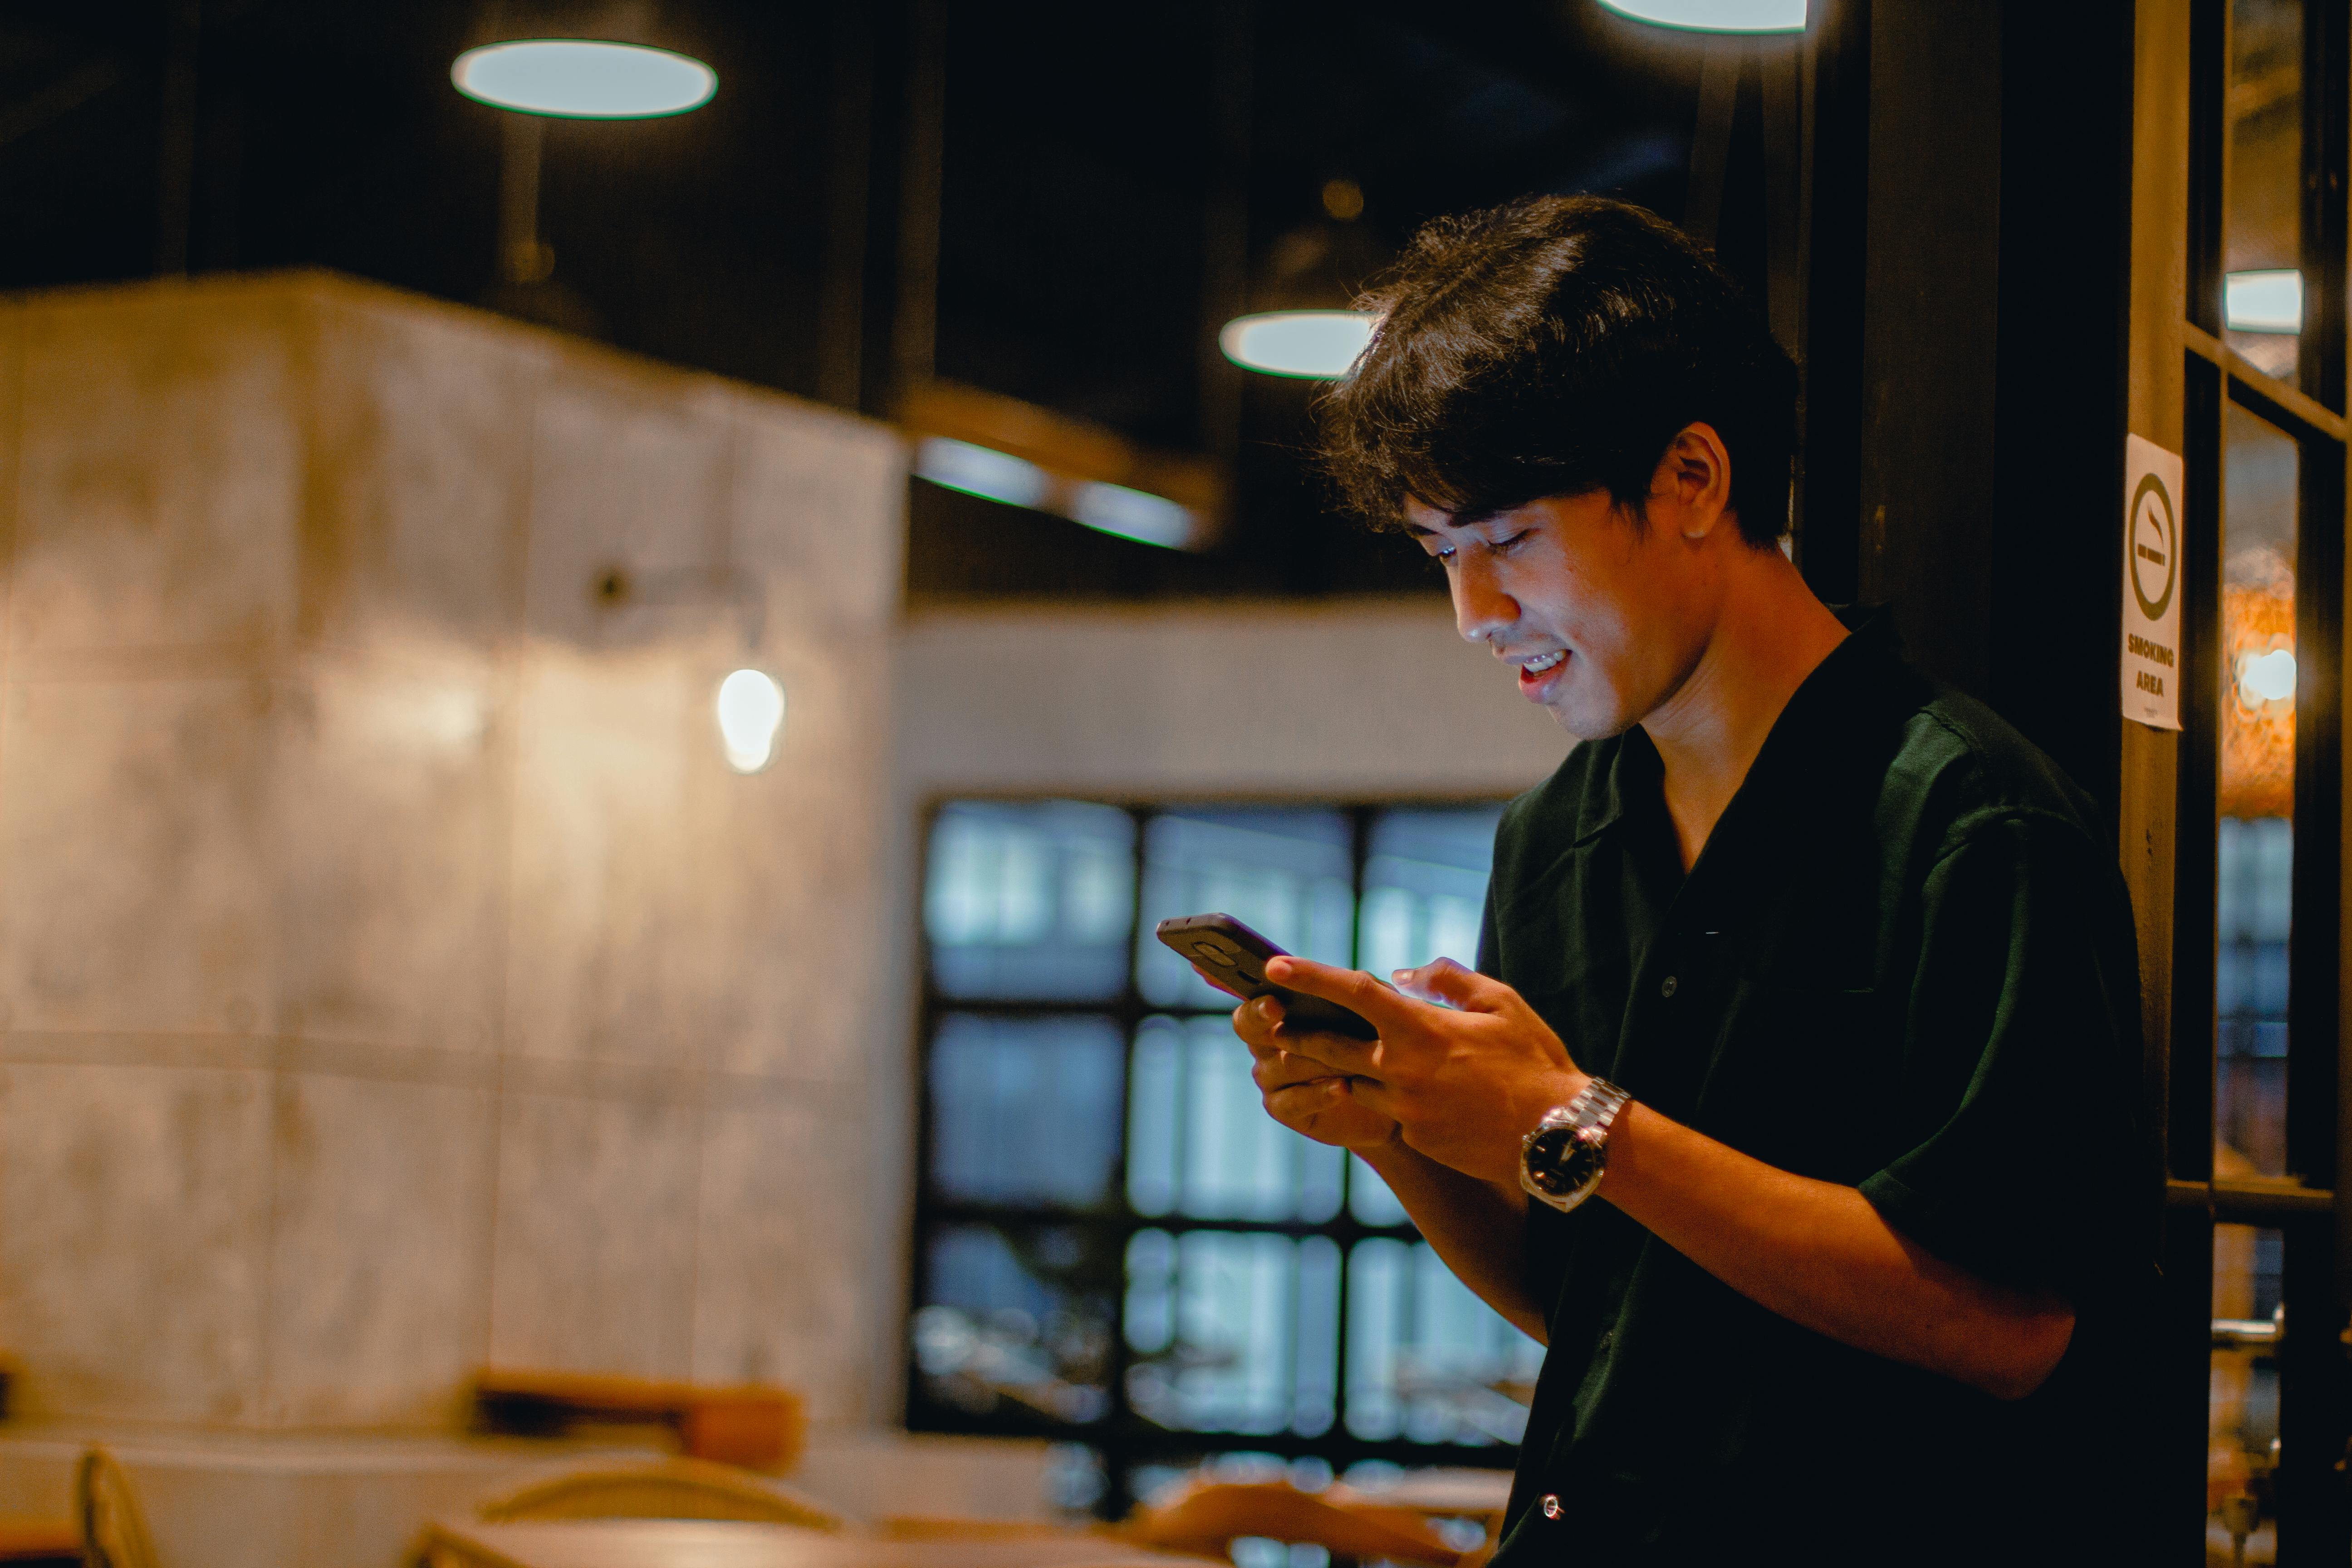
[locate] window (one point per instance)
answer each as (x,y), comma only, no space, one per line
(1115,1244)
(2254,1087)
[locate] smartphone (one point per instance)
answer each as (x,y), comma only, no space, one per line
(1223,946)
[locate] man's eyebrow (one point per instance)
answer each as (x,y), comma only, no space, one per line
(1469,517)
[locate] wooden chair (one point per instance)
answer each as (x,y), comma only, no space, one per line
(113,1530)
(1207,1519)
(657,1488)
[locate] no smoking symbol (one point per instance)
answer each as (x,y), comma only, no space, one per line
(2154,537)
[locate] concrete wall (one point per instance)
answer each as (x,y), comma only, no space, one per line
(392,977)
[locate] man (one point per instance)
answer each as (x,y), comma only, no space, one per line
(1793,1103)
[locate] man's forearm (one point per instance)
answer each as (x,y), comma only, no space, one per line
(1478,1227)
(1820,1255)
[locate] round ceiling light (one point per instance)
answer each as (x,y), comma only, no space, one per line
(1323,344)
(583,78)
(1717,15)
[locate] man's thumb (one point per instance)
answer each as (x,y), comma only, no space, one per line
(1443,980)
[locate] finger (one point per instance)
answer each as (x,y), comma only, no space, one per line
(1283,1069)
(1361,994)
(1212,978)
(1374,1095)
(1255,1022)
(1300,1103)
(1341,1053)
(1454,984)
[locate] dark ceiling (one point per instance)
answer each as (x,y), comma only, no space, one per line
(1113,181)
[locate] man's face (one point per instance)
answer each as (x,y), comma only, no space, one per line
(1602,617)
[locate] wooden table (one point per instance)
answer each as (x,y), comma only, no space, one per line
(697,1543)
(1437,1493)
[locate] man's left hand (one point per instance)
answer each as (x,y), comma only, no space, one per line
(1464,1081)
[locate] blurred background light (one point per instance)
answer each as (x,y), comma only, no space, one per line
(1132,514)
(2267,676)
(750,714)
(973,469)
(2265,301)
(981,471)
(1308,344)
(1717,15)
(583,78)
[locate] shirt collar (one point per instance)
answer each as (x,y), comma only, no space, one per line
(1823,715)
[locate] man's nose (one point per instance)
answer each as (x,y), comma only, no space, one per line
(1481,609)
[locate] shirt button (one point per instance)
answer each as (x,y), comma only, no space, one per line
(1666,986)
(1550,1506)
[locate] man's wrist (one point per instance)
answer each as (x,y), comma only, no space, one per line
(1564,1156)
(1559,1089)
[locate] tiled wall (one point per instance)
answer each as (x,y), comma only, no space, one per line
(393,977)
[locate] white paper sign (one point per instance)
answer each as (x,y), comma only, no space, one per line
(2152,584)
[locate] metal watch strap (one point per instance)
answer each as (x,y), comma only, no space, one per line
(1590,1114)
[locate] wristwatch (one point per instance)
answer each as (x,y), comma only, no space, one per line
(1562,1161)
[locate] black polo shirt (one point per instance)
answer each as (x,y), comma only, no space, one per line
(1903,961)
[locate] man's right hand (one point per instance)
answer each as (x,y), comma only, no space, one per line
(1303,1094)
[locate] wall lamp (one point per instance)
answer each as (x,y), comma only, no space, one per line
(749,705)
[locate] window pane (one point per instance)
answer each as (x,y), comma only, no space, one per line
(1425,886)
(1016,1319)
(1288,874)
(1368,1198)
(1427,1359)
(1026,1110)
(1030,901)
(2255,843)
(2262,244)
(2242,1425)
(1232,1331)
(1199,1141)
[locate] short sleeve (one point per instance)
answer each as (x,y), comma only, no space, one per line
(2021,1054)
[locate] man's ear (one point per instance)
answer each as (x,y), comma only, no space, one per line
(1694,478)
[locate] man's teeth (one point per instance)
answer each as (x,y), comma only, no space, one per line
(1538,666)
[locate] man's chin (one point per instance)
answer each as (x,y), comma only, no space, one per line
(1583,723)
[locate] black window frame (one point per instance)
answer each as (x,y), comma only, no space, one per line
(1124,1440)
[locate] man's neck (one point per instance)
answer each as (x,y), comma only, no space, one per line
(1771,634)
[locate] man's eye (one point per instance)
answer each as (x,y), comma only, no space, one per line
(1503,546)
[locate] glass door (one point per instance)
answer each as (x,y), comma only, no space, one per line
(2252,1242)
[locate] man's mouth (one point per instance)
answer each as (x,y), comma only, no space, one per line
(1536,674)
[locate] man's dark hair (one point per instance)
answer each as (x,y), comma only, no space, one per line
(1555,346)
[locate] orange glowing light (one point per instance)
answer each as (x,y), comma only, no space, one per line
(2257,727)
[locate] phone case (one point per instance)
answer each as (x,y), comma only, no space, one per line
(1223,946)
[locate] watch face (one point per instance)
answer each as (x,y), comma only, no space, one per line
(1558,1162)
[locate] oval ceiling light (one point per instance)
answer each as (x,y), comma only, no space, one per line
(1324,344)
(583,78)
(1717,15)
